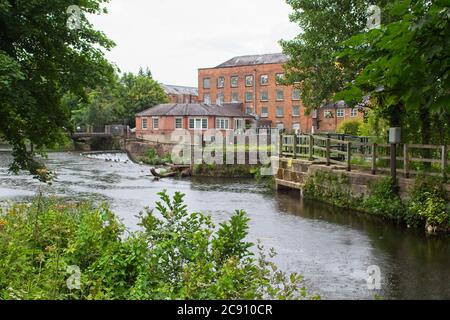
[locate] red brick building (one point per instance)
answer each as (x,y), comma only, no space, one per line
(181,94)
(253,81)
(157,123)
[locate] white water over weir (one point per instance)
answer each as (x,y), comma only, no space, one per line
(108,156)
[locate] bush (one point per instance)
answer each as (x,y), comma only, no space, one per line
(384,201)
(428,204)
(176,255)
(350,127)
(152,158)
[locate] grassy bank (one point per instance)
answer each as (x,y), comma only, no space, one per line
(427,206)
(54,250)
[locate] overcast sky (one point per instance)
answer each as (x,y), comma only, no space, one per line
(176,37)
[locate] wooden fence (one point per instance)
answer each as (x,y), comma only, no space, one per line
(354,154)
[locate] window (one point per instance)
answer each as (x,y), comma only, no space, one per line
(198,123)
(222,123)
(249,109)
(234,81)
(340,113)
(220,98)
(235,97)
(280,126)
(144,123)
(207,98)
(264,80)
(206,83)
(296,94)
(280,95)
(248,96)
(155,123)
(264,112)
(279,77)
(296,111)
(220,82)
(328,114)
(353,113)
(249,81)
(280,112)
(264,96)
(178,123)
(296,127)
(239,123)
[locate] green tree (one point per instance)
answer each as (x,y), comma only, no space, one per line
(324,25)
(405,66)
(40,60)
(140,92)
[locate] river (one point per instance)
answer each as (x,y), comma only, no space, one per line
(331,247)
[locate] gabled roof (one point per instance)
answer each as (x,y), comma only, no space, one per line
(196,109)
(255,60)
(170,89)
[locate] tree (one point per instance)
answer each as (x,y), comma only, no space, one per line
(313,66)
(41,59)
(405,66)
(139,93)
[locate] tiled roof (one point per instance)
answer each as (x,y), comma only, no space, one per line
(196,109)
(255,60)
(170,89)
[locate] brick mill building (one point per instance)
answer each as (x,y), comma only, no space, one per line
(253,82)
(157,123)
(180,94)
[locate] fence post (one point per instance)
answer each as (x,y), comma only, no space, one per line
(311,147)
(444,162)
(294,151)
(374,158)
(328,156)
(405,160)
(349,156)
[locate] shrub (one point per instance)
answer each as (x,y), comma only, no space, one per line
(350,127)
(428,204)
(176,255)
(152,158)
(383,201)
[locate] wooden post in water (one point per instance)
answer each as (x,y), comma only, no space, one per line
(444,162)
(374,158)
(405,160)
(349,156)
(328,155)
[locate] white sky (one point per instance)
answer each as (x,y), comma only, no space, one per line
(176,37)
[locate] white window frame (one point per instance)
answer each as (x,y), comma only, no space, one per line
(278,77)
(276,111)
(146,123)
(231,81)
(264,114)
(267,96)
(340,113)
(220,99)
(296,115)
(181,119)
(209,83)
(354,113)
(278,91)
(222,123)
(201,119)
(299,94)
(207,101)
(237,96)
(153,123)
(252,82)
(266,77)
(236,120)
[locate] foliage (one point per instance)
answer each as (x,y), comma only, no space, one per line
(152,158)
(324,25)
(428,203)
(404,66)
(383,201)
(176,255)
(40,60)
(375,127)
(351,127)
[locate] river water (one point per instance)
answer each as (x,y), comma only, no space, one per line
(331,247)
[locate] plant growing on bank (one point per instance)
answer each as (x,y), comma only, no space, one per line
(176,255)
(152,158)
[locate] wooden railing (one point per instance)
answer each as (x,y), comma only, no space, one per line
(364,155)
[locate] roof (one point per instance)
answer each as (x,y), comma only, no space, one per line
(341,104)
(255,60)
(196,109)
(170,89)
